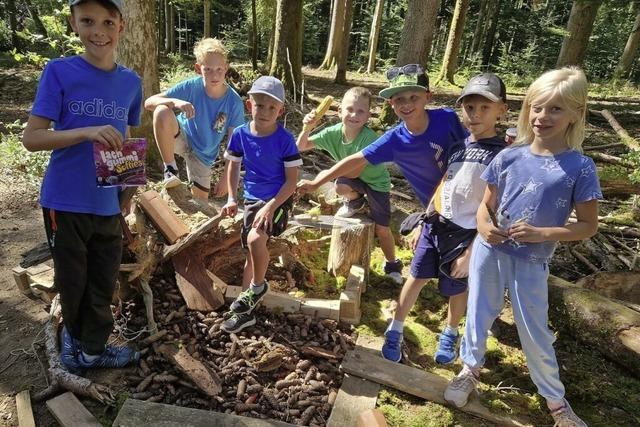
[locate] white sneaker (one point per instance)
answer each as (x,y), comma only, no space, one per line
(565,417)
(351,207)
(170,177)
(459,388)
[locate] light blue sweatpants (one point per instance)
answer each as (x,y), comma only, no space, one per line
(490,273)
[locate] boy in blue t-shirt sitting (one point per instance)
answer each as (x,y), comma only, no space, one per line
(270,157)
(90,100)
(210,109)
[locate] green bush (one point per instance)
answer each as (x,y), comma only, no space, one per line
(15,157)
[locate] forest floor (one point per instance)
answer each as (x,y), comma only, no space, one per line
(604,393)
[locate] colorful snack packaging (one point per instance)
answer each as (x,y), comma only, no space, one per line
(124,168)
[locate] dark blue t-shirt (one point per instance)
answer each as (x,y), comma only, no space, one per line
(422,159)
(264,159)
(73,93)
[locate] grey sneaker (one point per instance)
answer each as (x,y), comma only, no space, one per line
(459,388)
(351,207)
(565,417)
(247,300)
(171,178)
(238,322)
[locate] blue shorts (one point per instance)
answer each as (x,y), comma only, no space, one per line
(440,243)
(379,202)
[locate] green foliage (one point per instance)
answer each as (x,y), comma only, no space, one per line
(15,157)
(634,158)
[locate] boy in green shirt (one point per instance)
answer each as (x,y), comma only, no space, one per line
(342,140)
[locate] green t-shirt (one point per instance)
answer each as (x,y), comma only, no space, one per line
(331,140)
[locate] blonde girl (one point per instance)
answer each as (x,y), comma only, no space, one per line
(532,188)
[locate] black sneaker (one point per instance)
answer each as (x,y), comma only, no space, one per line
(247,300)
(394,271)
(171,178)
(238,322)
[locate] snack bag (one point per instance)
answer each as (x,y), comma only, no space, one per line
(125,168)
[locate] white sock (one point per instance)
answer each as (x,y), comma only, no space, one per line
(396,325)
(89,357)
(467,369)
(255,288)
(450,331)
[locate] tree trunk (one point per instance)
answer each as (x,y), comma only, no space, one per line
(579,27)
(287,55)
(138,50)
(272,39)
(343,52)
(493,10)
(417,33)
(450,60)
(13,24)
(335,35)
(478,32)
(172,27)
(207,18)
(351,240)
(630,49)
(34,13)
(373,36)
(254,31)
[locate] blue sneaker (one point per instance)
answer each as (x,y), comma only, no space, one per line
(446,353)
(69,352)
(392,348)
(112,357)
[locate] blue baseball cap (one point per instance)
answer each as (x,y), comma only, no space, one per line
(116,3)
(268,85)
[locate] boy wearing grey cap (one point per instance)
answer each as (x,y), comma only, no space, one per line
(271,159)
(90,100)
(449,228)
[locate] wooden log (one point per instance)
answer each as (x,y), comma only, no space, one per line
(195,282)
(166,221)
(622,133)
(36,255)
(23,408)
(618,188)
(619,285)
(351,240)
(69,412)
(204,378)
(193,237)
(321,308)
(607,325)
(371,418)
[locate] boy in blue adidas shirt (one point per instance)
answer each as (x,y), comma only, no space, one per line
(209,111)
(90,100)
(271,159)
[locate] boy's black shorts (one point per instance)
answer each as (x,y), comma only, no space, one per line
(278,225)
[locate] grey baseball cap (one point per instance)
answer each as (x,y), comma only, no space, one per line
(116,3)
(268,85)
(486,84)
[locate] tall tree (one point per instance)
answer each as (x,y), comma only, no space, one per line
(417,33)
(450,59)
(13,23)
(335,34)
(343,52)
(138,50)
(287,54)
(34,13)
(168,29)
(493,12)
(254,39)
(373,36)
(478,32)
(631,48)
(172,27)
(579,27)
(207,18)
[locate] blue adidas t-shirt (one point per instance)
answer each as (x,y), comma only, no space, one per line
(213,117)
(264,159)
(422,159)
(541,191)
(73,93)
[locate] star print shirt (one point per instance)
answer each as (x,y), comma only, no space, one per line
(541,191)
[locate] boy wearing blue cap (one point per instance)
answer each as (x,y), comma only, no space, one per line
(90,100)
(271,159)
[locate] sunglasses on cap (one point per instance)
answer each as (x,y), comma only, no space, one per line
(408,70)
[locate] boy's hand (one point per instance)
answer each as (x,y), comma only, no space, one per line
(264,218)
(460,265)
(522,232)
(491,234)
(305,186)
(230,208)
(415,237)
(186,107)
(310,120)
(106,135)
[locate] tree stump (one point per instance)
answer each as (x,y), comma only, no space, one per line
(351,240)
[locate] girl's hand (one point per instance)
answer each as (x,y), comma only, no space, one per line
(460,265)
(310,120)
(522,232)
(491,234)
(264,218)
(230,208)
(415,237)
(305,186)
(106,135)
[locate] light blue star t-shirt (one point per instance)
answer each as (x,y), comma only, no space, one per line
(541,191)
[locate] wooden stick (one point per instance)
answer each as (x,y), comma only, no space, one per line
(622,133)
(583,260)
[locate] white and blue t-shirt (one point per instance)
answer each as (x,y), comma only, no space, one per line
(213,117)
(422,159)
(73,93)
(264,159)
(541,191)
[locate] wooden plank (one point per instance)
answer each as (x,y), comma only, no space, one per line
(135,413)
(23,407)
(231,293)
(37,269)
(321,308)
(22,280)
(69,412)
(365,364)
(204,378)
(172,250)
(356,279)
(43,281)
(218,283)
(164,219)
(195,283)
(350,307)
(279,301)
